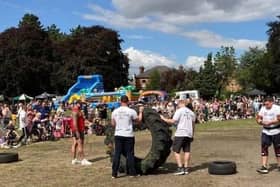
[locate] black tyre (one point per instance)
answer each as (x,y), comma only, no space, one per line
(222,168)
(8,157)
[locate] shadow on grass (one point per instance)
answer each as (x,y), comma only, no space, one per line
(168,168)
(273,167)
(99,158)
(199,167)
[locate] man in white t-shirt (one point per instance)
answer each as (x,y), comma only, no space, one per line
(122,120)
(269,118)
(184,118)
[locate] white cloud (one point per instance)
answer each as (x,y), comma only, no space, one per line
(114,18)
(209,39)
(195,62)
(189,11)
(174,16)
(138,37)
(147,59)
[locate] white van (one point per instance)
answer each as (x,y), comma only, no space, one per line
(194,94)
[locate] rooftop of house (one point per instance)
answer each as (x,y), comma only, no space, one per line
(147,73)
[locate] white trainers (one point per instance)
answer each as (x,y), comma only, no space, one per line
(75,161)
(85,162)
(17,146)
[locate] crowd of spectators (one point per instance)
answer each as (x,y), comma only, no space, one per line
(44,121)
(240,107)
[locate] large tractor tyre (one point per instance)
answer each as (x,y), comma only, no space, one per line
(161,144)
(8,157)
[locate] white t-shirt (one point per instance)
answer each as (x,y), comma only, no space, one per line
(184,118)
(22,119)
(123,117)
(269,115)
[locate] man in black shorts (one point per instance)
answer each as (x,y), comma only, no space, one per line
(269,118)
(184,119)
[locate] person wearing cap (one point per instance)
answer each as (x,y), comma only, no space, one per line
(122,119)
(78,132)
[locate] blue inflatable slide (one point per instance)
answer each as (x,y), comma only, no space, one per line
(86,84)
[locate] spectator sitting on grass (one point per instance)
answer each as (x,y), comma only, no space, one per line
(11,135)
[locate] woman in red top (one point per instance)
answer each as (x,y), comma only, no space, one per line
(78,128)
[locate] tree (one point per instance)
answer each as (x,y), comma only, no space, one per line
(154,83)
(30,20)
(274,39)
(248,68)
(34,59)
(77,31)
(189,81)
(206,81)
(273,55)
(25,60)
(225,65)
(262,72)
(55,34)
(180,74)
(92,50)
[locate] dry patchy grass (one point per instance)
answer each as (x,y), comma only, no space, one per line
(49,163)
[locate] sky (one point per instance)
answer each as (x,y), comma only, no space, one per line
(158,32)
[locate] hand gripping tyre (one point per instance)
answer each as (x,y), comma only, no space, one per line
(222,168)
(8,157)
(161,144)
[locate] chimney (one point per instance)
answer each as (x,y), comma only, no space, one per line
(141,69)
(181,68)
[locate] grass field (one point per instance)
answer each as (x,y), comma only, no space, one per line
(49,163)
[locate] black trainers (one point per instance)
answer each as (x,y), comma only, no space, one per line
(262,170)
(186,171)
(114,176)
(180,171)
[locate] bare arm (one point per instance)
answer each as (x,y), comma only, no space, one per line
(113,122)
(193,126)
(169,121)
(259,119)
(140,115)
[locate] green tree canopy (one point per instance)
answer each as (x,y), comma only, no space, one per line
(206,81)
(54,33)
(273,55)
(154,83)
(225,65)
(250,61)
(34,59)
(30,20)
(25,61)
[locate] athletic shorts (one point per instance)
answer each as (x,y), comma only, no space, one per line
(270,139)
(267,140)
(82,135)
(182,143)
